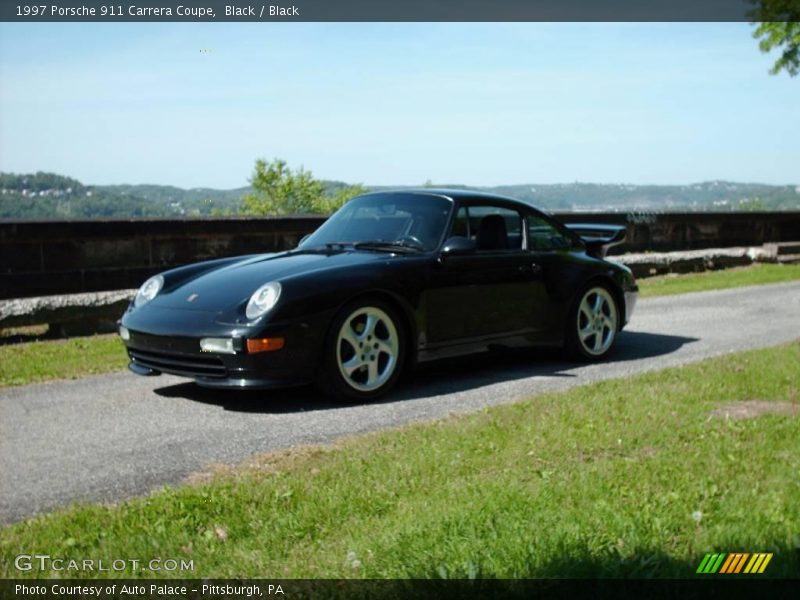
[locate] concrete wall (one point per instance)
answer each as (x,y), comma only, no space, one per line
(54,257)
(59,257)
(668,232)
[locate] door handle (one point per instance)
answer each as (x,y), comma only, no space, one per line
(533,268)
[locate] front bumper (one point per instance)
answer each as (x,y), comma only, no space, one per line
(179,353)
(223,383)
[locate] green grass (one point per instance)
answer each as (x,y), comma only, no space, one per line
(31,362)
(758,274)
(629,477)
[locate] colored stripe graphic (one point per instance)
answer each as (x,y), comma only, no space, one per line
(703,563)
(710,563)
(727,563)
(716,564)
(734,563)
(740,564)
(753,561)
(730,564)
(767,558)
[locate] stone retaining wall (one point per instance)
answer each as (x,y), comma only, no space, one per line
(63,257)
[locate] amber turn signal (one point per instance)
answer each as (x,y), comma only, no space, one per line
(265,345)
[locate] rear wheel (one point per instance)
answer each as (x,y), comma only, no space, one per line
(593,323)
(363,353)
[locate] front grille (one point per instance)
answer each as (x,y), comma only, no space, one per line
(179,364)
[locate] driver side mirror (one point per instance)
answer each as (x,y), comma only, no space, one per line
(458,245)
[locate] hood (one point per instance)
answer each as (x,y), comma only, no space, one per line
(223,288)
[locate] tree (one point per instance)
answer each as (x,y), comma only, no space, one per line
(279,190)
(329,204)
(751,204)
(779,28)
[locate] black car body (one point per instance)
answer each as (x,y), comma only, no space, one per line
(434,273)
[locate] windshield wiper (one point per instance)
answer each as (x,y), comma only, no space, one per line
(396,246)
(379,245)
(326,247)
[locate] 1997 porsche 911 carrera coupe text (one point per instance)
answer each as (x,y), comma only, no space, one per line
(391,279)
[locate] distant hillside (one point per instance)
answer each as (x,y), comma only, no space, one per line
(710,195)
(181,202)
(46,195)
(706,196)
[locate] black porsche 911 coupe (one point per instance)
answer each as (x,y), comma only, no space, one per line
(391,279)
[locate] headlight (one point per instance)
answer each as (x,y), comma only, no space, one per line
(263,300)
(149,290)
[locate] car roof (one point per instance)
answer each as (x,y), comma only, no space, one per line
(455,194)
(461,194)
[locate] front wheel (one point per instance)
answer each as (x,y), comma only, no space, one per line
(593,323)
(363,354)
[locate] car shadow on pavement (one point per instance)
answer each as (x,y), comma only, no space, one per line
(436,378)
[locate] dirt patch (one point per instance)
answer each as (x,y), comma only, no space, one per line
(267,463)
(750,409)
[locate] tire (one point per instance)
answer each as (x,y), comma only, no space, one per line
(364,352)
(592,323)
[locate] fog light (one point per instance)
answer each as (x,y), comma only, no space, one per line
(221,345)
(124,333)
(264,345)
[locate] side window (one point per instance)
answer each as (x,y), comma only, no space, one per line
(461,224)
(543,235)
(495,228)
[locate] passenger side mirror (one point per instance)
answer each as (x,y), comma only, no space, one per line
(458,245)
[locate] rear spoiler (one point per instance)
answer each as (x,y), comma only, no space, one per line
(598,238)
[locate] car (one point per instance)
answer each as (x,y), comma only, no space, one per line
(392,279)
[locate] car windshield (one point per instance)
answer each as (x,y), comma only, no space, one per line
(377,221)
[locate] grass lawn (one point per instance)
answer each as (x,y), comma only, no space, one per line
(629,477)
(29,362)
(757,274)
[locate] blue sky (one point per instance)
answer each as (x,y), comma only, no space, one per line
(194,104)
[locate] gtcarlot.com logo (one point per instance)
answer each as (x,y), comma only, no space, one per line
(45,562)
(734,562)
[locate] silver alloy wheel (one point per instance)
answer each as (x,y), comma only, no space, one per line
(597,321)
(367,349)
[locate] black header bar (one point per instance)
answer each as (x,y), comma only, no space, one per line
(390,10)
